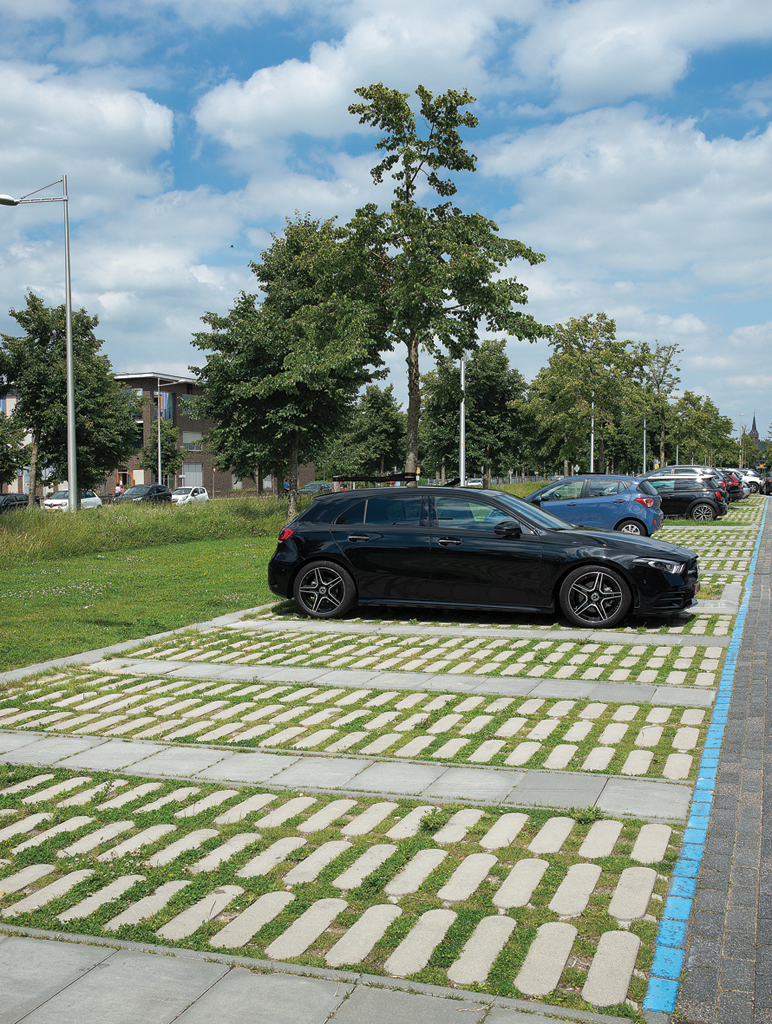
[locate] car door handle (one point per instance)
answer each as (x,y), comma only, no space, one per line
(449,541)
(620,501)
(571,504)
(359,536)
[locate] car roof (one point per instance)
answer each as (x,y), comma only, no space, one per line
(372,492)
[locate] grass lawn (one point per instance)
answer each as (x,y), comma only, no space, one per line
(52,608)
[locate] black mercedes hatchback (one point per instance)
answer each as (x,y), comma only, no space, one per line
(465,549)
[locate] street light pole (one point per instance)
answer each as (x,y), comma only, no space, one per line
(72,455)
(462,438)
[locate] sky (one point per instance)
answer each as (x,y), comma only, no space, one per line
(630,143)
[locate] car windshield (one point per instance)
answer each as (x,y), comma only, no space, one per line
(533,514)
(182,490)
(137,490)
(59,496)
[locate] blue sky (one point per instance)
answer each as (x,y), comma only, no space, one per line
(629,142)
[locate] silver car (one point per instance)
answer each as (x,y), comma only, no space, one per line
(187,495)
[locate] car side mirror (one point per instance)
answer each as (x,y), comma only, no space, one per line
(537,501)
(508,528)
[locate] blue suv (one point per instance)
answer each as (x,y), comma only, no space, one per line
(624,503)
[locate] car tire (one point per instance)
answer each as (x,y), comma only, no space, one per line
(632,526)
(324,590)
(594,596)
(754,488)
(703,513)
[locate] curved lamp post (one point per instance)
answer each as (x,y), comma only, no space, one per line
(72,462)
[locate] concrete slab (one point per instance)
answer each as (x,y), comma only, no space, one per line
(320,772)
(193,670)
(51,749)
(381,1006)
(246,998)
(13,740)
(566,688)
(130,987)
(255,767)
(473,784)
(683,696)
(542,789)
(114,755)
(391,777)
(144,666)
(33,971)
(181,761)
(645,799)
(343,677)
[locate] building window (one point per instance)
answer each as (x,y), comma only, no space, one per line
(191,439)
(193,474)
(167,405)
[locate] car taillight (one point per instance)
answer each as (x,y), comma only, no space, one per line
(718,495)
(286,533)
(646,502)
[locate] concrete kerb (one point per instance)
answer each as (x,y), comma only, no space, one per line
(540,1011)
(90,657)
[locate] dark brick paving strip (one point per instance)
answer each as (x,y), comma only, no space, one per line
(728,967)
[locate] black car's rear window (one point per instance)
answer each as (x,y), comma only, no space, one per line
(355,513)
(645,487)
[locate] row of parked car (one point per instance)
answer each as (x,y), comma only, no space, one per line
(639,505)
(153,493)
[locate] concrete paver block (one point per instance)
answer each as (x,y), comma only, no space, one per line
(481,949)
(677,766)
(93,839)
(241,929)
(467,877)
(390,777)
(645,799)
(600,840)
(206,803)
(109,892)
(321,773)
(245,998)
(504,831)
(551,835)
(365,822)
(266,861)
(24,825)
(363,866)
(175,797)
(520,883)
(220,854)
(455,829)
(415,872)
(485,784)
(413,953)
(611,969)
(146,907)
(409,825)
(382,1006)
(308,870)
(546,958)
(573,893)
(637,762)
(549,789)
(632,894)
(191,841)
(27,876)
(306,930)
(191,919)
(245,808)
(133,845)
(326,816)
(651,844)
(359,940)
(289,809)
(40,897)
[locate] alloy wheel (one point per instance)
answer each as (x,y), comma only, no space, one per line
(322,590)
(595,597)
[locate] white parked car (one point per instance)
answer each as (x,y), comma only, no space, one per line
(752,478)
(59,500)
(187,495)
(474,481)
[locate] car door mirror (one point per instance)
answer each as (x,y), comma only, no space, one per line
(508,528)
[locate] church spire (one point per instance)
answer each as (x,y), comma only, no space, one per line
(753,432)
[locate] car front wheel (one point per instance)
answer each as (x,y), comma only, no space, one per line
(594,596)
(631,526)
(323,590)
(703,513)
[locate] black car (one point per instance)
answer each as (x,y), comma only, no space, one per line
(690,497)
(145,492)
(460,548)
(9,502)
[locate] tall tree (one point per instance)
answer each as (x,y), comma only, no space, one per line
(378,425)
(437,268)
(34,367)
(13,451)
(660,378)
(282,374)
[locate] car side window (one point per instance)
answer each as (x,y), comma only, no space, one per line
(663,485)
(564,491)
(467,514)
(355,513)
(394,511)
(601,488)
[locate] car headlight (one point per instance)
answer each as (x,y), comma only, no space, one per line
(663,564)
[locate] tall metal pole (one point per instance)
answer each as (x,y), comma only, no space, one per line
(72,454)
(159,430)
(644,444)
(462,440)
(592,439)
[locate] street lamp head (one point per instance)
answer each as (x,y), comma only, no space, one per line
(8,201)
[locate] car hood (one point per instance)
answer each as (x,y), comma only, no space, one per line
(625,542)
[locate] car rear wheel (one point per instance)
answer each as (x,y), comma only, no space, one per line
(703,513)
(631,526)
(754,488)
(594,596)
(323,590)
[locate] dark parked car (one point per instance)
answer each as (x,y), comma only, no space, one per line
(467,549)
(145,492)
(623,503)
(8,502)
(690,497)
(315,487)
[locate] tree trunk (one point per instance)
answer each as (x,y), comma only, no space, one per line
(33,469)
(565,467)
(292,508)
(442,474)
(486,477)
(259,480)
(413,407)
(662,441)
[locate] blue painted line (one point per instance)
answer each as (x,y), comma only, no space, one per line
(670,949)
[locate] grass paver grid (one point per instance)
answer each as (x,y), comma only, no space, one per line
(595,660)
(499,731)
(475,876)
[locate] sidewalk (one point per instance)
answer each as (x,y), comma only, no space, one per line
(728,967)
